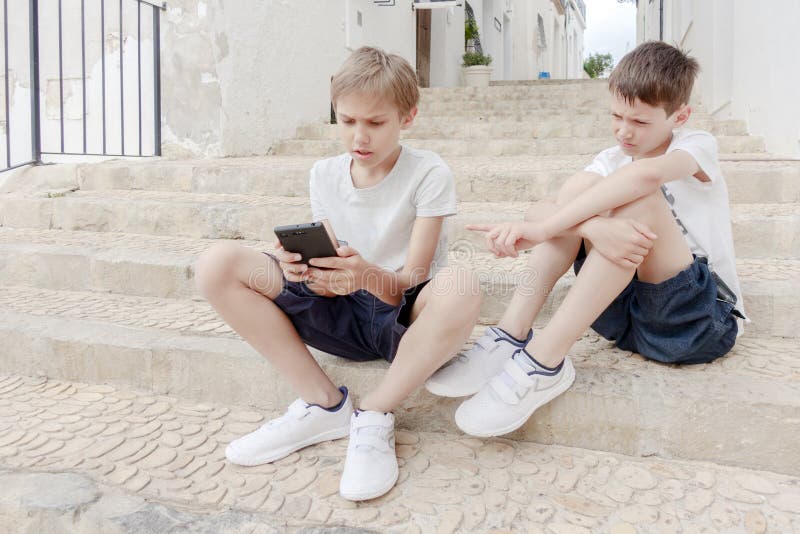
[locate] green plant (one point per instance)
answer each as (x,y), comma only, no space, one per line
(598,64)
(476,58)
(470,30)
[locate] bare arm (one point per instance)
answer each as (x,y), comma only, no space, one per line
(389,286)
(621,187)
(350,272)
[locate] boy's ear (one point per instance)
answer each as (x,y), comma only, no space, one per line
(682,115)
(408,120)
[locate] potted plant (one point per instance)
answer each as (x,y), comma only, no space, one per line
(477,69)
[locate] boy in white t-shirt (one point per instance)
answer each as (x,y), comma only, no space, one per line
(376,300)
(648,230)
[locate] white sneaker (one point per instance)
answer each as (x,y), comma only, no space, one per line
(469,371)
(370,469)
(510,398)
(302,425)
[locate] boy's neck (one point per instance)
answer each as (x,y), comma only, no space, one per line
(364,177)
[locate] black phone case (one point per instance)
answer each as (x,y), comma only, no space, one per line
(310,240)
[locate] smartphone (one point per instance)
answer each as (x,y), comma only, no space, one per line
(310,240)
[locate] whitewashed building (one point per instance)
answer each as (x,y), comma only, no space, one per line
(748,57)
(529,37)
(237,75)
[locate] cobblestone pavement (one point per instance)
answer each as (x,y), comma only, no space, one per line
(172,452)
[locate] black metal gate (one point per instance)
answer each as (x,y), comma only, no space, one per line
(54,105)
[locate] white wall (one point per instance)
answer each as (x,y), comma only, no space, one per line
(237,76)
(748,58)
(576,26)
(393,28)
(447,46)
(519,33)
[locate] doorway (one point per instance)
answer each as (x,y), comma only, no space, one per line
(424,47)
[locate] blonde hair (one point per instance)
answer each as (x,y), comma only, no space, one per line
(373,71)
(657,74)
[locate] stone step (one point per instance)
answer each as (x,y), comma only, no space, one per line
(163,266)
(512,93)
(525,178)
(760,230)
(522,105)
(569,82)
(474,129)
(519,113)
(744,410)
(160,463)
(505,88)
(503,147)
(574,114)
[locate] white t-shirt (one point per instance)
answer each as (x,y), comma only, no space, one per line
(377,221)
(700,208)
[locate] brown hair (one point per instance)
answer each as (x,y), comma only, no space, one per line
(374,71)
(657,74)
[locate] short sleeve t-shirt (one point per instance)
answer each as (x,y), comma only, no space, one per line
(377,221)
(701,209)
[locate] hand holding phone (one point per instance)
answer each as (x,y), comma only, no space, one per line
(310,240)
(299,243)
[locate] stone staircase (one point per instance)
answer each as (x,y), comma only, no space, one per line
(96,264)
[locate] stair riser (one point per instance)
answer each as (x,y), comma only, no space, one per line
(511,93)
(754,236)
(511,130)
(606,409)
(514,105)
(472,185)
(505,147)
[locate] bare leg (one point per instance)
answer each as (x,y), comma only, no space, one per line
(600,280)
(547,263)
(443,316)
(240,284)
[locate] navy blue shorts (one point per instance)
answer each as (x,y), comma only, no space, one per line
(358,326)
(680,320)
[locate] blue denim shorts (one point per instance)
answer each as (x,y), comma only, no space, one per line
(680,320)
(358,326)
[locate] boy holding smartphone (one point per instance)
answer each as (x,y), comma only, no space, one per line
(375,300)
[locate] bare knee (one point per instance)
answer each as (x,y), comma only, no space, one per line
(215,268)
(643,209)
(456,292)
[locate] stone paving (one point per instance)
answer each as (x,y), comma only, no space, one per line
(171,453)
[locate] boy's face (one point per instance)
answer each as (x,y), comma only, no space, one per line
(642,130)
(369,128)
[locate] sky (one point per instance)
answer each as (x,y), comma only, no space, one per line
(610,27)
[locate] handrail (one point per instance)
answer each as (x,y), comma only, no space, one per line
(49,133)
(160,5)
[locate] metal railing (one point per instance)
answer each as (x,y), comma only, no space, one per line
(58,80)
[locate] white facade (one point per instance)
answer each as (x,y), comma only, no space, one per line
(748,58)
(526,37)
(237,76)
